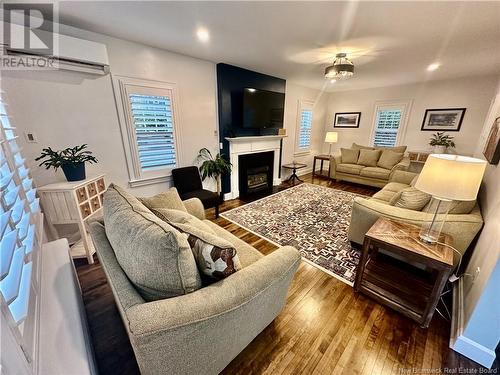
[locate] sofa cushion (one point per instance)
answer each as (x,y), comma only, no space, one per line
(246,253)
(155,256)
(398,149)
(411,199)
(455,208)
(349,155)
(384,195)
(389,159)
(395,186)
(375,172)
(368,158)
(355,146)
(168,199)
(349,168)
(216,257)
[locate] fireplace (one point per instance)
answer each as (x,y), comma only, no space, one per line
(255,173)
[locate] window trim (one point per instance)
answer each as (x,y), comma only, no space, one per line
(405,105)
(122,87)
(303,105)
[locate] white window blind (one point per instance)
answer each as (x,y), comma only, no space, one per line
(154,130)
(389,123)
(149,127)
(20,224)
(304,127)
(386,127)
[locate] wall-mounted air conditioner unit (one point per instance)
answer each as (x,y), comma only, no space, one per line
(72,54)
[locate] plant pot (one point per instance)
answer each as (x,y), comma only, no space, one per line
(440,149)
(74,172)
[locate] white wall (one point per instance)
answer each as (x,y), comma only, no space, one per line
(472,93)
(481,296)
(293,95)
(69,108)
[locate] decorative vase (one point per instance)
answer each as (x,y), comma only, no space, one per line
(440,149)
(74,172)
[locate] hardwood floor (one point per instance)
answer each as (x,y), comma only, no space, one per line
(325,327)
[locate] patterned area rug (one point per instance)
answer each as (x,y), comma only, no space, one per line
(314,219)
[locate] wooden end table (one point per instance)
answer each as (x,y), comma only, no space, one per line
(400,271)
(322,159)
(294,166)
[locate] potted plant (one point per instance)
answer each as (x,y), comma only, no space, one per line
(213,167)
(71,160)
(441,141)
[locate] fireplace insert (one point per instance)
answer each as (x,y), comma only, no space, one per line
(255,173)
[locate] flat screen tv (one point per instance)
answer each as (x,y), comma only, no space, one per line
(263,109)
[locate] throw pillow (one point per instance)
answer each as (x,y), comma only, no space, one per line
(455,207)
(155,256)
(355,146)
(169,199)
(389,159)
(398,149)
(349,156)
(368,158)
(216,257)
(411,199)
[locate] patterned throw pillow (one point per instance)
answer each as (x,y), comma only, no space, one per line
(411,199)
(213,261)
(215,257)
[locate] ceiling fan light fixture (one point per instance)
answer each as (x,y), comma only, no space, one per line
(342,68)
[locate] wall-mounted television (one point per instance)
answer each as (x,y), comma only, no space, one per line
(263,109)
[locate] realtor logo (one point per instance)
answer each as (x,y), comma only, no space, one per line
(28,33)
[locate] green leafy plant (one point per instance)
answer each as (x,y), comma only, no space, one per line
(69,156)
(441,139)
(212,167)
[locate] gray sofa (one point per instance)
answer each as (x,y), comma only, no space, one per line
(202,331)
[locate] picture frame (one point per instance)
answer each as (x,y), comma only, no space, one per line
(346,119)
(492,147)
(443,119)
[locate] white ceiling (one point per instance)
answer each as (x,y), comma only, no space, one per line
(389,42)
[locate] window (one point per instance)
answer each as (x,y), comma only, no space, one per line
(147,114)
(20,238)
(304,127)
(389,124)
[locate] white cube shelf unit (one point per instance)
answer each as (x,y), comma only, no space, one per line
(74,203)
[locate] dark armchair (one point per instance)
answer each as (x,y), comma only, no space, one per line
(187,181)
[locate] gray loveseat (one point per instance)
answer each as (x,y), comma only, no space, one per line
(202,331)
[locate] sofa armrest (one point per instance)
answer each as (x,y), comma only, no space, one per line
(403,177)
(195,207)
(216,299)
(365,212)
(334,161)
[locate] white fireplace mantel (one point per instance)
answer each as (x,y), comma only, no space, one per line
(251,145)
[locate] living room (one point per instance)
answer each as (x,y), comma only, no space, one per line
(322,183)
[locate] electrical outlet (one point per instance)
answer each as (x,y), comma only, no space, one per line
(476,274)
(30,137)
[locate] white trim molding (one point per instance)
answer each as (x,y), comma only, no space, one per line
(122,87)
(458,341)
(404,106)
(303,105)
(251,145)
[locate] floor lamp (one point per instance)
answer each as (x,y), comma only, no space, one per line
(447,178)
(331,137)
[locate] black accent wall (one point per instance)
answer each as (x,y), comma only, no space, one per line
(231,80)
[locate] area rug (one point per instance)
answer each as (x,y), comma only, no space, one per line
(312,218)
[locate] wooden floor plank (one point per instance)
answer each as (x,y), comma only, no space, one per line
(325,327)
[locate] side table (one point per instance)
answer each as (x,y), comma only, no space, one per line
(322,159)
(398,270)
(294,166)
(74,203)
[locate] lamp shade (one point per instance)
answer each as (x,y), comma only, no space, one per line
(451,177)
(331,137)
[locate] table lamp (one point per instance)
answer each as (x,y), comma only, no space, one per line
(331,137)
(446,178)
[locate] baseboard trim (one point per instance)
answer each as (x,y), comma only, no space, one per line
(458,341)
